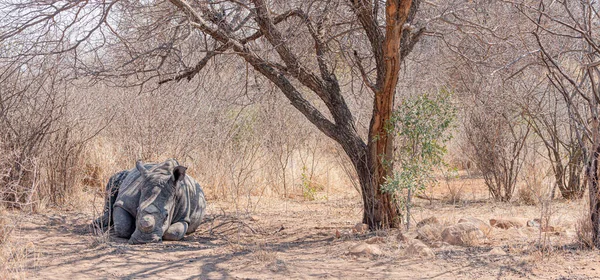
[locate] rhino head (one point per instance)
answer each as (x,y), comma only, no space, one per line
(158,186)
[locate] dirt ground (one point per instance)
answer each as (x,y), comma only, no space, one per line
(291,239)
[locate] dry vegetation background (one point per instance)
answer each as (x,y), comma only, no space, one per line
(62,136)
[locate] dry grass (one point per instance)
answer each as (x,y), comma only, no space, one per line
(5,228)
(263,254)
(100,238)
(16,256)
(461,187)
(450,181)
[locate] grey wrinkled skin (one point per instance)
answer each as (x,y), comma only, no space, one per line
(153,202)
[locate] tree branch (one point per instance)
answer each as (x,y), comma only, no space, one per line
(363,73)
(363,9)
(262,66)
(275,38)
(199,66)
(409,40)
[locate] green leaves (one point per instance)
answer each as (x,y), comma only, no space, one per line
(421,127)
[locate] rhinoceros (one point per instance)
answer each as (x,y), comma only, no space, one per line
(153,202)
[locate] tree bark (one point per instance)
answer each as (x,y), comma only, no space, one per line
(380,211)
(383,210)
(593,177)
(574,189)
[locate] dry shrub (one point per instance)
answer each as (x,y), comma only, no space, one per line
(101,161)
(53,176)
(497,137)
(455,193)
(33,102)
(251,147)
(47,129)
(92,176)
(100,238)
(311,183)
(458,150)
(535,186)
(19,178)
(63,169)
(66,169)
(584,230)
(527,196)
(454,186)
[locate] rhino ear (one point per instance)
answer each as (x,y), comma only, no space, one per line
(140,167)
(179,173)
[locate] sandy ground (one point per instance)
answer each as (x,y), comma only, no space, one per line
(275,239)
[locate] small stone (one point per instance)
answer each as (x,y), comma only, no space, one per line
(497,252)
(534,223)
(278,266)
(56,221)
(428,221)
(365,250)
(337,234)
(401,238)
(463,234)
(516,234)
(375,240)
(360,228)
(254,218)
(549,229)
(508,223)
(483,226)
(429,233)
(552,230)
(419,249)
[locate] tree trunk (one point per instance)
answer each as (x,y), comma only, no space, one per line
(593,177)
(568,177)
(574,188)
(380,210)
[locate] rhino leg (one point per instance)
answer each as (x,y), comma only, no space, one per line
(124,222)
(175,231)
(112,191)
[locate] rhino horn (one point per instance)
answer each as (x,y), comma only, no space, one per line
(140,167)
